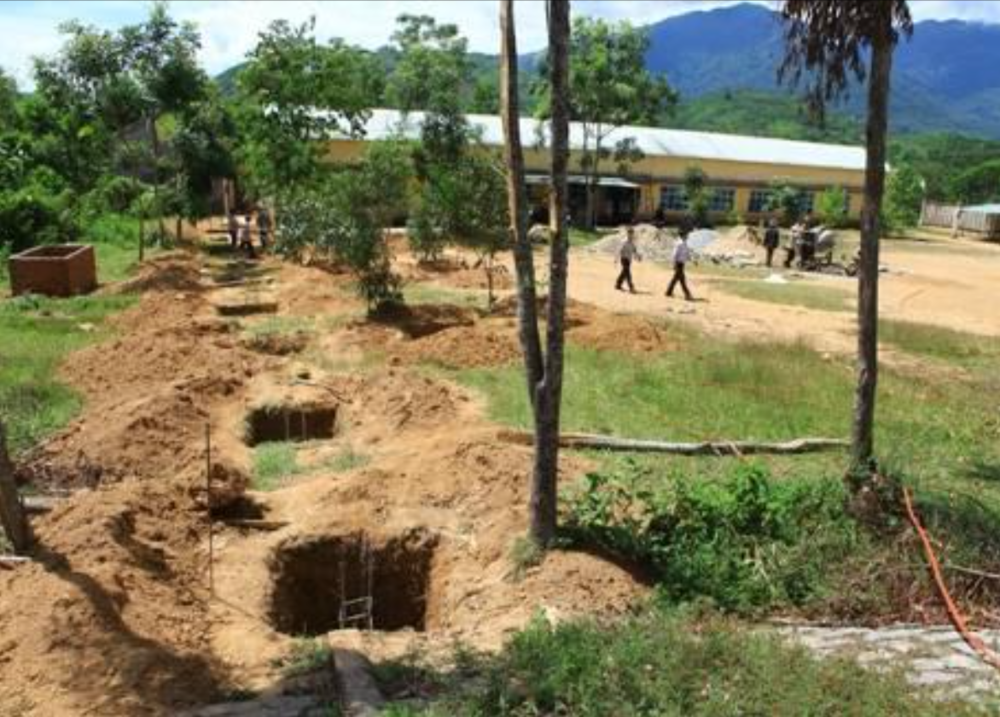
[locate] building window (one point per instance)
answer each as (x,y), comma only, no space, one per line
(673,198)
(760,199)
(722,200)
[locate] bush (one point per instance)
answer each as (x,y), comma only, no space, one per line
(746,542)
(831,207)
(35,215)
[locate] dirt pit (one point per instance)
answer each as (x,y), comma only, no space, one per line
(351,581)
(290,423)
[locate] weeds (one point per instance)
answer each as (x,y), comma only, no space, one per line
(525,554)
(809,296)
(748,542)
(273,464)
(938,342)
(664,662)
(306,656)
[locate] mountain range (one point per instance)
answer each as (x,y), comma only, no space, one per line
(726,59)
(944,76)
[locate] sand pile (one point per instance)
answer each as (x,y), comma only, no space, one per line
(653,244)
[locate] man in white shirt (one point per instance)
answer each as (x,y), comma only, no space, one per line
(681,256)
(626,254)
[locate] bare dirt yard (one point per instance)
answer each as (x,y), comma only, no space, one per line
(399,489)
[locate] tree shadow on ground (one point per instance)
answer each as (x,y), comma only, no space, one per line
(150,675)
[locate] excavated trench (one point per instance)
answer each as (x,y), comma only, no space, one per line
(325,583)
(290,423)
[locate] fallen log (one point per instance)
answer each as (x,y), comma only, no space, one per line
(9,562)
(39,504)
(704,448)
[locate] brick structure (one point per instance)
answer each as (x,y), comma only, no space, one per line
(56,270)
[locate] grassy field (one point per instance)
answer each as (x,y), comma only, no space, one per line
(805,294)
(36,333)
(657,663)
(942,438)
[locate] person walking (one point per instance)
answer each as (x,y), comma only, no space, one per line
(794,242)
(246,243)
(772,237)
(264,228)
(681,256)
(626,254)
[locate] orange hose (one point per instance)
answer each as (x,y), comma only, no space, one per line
(976,643)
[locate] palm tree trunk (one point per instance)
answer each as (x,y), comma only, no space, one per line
(862,443)
(545,480)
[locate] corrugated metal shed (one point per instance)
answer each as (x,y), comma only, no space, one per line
(652,141)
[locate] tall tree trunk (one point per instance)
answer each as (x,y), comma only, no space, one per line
(544,485)
(154,137)
(12,517)
(592,182)
(142,238)
(862,443)
(527,306)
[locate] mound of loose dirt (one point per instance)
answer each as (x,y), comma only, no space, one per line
(486,343)
(626,333)
(175,271)
(114,618)
(424,319)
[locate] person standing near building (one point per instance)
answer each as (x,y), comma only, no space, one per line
(794,240)
(233,224)
(626,254)
(264,228)
(681,256)
(772,237)
(246,242)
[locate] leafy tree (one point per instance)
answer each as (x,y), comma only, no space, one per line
(831,207)
(979,184)
(787,201)
(477,181)
(904,195)
(8,101)
(431,70)
(698,195)
(294,90)
(107,82)
(609,87)
(205,144)
(348,213)
(835,41)
(544,369)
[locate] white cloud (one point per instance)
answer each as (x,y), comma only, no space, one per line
(229,29)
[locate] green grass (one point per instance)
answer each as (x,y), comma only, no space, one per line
(807,295)
(276,463)
(941,437)
(273,464)
(35,335)
(938,342)
(582,237)
(662,662)
(415,293)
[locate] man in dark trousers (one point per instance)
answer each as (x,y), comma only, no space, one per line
(772,237)
(626,254)
(681,256)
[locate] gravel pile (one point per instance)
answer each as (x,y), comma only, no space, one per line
(653,244)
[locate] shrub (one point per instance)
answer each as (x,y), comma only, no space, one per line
(831,207)
(747,542)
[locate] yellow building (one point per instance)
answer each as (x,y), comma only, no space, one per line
(739,169)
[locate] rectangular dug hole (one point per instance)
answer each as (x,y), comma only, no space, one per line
(56,270)
(290,423)
(334,582)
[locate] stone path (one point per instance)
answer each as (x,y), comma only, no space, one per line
(932,657)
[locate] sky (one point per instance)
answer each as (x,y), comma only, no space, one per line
(229,28)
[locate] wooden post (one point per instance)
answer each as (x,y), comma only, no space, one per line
(208,506)
(12,517)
